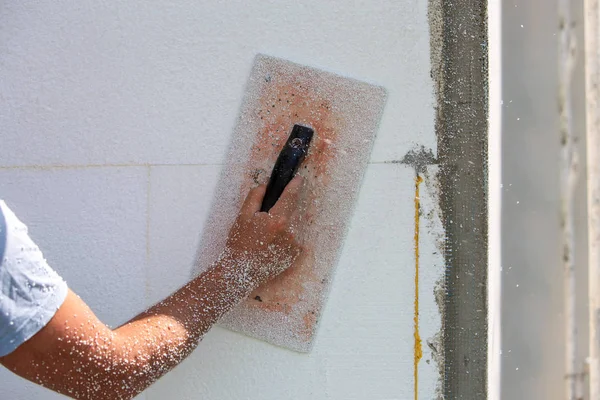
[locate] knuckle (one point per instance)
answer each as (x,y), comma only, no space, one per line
(284,221)
(277,224)
(293,239)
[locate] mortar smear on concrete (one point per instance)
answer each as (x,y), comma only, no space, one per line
(435,16)
(435,228)
(424,162)
(345,114)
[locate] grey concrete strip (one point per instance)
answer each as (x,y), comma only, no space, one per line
(459,71)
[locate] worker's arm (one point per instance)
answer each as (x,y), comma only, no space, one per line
(77,355)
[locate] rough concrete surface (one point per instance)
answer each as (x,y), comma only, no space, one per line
(459,69)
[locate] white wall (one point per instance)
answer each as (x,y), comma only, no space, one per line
(115,117)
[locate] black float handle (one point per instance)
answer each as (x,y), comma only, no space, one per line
(287,164)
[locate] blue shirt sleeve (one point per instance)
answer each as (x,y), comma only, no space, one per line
(30,291)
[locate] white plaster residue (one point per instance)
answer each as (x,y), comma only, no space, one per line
(432,239)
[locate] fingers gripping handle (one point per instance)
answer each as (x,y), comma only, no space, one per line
(287,164)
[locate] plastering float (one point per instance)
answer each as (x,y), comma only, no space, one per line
(343,115)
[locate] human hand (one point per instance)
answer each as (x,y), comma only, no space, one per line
(267,243)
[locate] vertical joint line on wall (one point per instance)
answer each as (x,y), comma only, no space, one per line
(418,351)
(148,193)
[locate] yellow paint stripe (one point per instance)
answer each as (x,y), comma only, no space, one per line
(418,351)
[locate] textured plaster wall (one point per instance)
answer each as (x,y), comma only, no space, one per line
(115,118)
